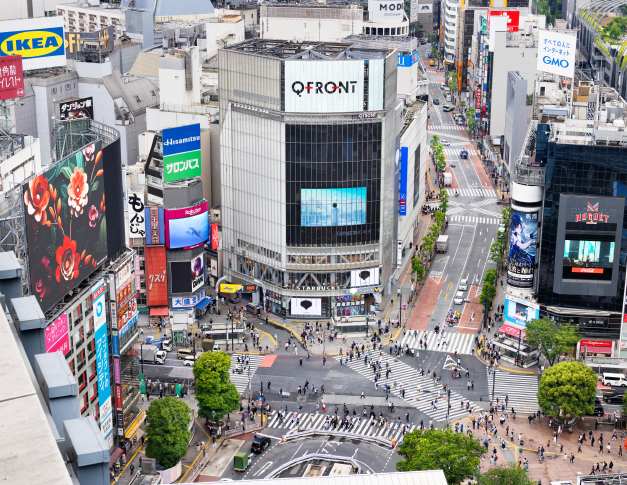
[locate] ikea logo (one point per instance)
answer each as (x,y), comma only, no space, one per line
(33,43)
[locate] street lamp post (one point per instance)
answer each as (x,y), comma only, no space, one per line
(141,354)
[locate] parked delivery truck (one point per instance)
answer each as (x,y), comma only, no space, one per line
(152,355)
(441,245)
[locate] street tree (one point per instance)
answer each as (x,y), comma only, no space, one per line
(553,338)
(506,216)
(498,248)
(417,269)
(167,430)
(435,139)
(510,474)
(441,161)
(427,247)
(462,103)
(452,84)
(438,56)
(567,388)
(456,454)
(488,289)
(433,38)
(624,404)
(443,200)
(470,117)
(214,392)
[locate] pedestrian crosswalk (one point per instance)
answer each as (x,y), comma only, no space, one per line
(457,151)
(472,219)
(431,400)
(241,380)
(478,193)
(520,390)
(360,425)
(463,343)
(446,127)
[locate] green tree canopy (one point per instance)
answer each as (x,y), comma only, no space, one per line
(567,388)
(433,38)
(498,247)
(457,455)
(553,338)
(167,430)
(214,392)
(470,117)
(488,290)
(506,216)
(509,474)
(417,269)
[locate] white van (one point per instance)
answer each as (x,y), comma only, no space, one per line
(616,380)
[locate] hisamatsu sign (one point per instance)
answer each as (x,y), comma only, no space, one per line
(317,87)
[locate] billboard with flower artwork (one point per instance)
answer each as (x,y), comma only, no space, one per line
(66,225)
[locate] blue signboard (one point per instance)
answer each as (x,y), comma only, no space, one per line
(102,362)
(408,60)
(115,345)
(402,209)
(155,226)
(178,303)
(181,139)
(40,41)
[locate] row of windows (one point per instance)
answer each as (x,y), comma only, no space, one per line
(385,30)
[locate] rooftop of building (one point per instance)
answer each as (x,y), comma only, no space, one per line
(171,8)
(335,5)
(13,143)
(405,45)
(111,8)
(281,49)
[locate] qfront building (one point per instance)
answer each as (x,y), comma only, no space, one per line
(310,143)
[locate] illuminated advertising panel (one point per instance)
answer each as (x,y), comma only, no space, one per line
(156,276)
(77,110)
(56,335)
(306,306)
(102,361)
(520,311)
(11,77)
(198,273)
(333,207)
(513,18)
(181,153)
(186,228)
(522,248)
(66,224)
(40,41)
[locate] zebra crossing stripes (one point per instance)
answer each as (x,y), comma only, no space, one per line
(521,390)
(478,193)
(360,425)
(407,376)
(463,343)
(472,219)
(457,151)
(241,380)
(445,127)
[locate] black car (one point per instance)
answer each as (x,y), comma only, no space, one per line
(613,398)
(598,409)
(259,445)
(436,101)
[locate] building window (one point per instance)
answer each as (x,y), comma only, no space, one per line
(93,368)
(93,391)
(393,32)
(80,359)
(386,31)
(82,380)
(84,401)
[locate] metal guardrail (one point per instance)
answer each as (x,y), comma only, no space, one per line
(532,175)
(313,456)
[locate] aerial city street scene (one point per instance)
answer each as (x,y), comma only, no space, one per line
(347,242)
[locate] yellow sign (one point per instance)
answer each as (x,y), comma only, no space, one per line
(228,288)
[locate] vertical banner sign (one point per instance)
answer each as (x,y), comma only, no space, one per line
(102,361)
(198,273)
(181,153)
(136,218)
(11,77)
(402,207)
(623,322)
(56,335)
(214,236)
(556,53)
(478,98)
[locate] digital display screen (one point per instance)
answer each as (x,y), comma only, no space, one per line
(588,259)
(519,312)
(333,207)
(188,232)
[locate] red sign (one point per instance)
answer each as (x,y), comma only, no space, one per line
(214,236)
(156,276)
(126,312)
(598,343)
(124,293)
(478,98)
(11,77)
(513,18)
(118,397)
(587,270)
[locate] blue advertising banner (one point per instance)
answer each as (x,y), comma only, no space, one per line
(181,139)
(40,41)
(155,226)
(402,202)
(102,362)
(408,60)
(115,344)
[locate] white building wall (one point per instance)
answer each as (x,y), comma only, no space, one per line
(22,165)
(231,33)
(449,34)
(514,58)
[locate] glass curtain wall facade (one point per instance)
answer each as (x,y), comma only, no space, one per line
(580,169)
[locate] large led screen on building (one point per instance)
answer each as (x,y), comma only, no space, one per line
(66,224)
(520,312)
(522,248)
(306,306)
(186,228)
(333,207)
(588,259)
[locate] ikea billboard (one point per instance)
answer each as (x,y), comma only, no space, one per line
(39,41)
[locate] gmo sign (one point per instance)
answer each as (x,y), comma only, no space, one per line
(552,61)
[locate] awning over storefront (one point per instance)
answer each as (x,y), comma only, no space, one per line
(159,311)
(204,303)
(512,331)
(596,346)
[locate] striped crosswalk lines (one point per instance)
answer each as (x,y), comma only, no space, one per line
(457,151)
(472,219)
(478,193)
(521,390)
(360,425)
(409,379)
(241,380)
(445,127)
(463,343)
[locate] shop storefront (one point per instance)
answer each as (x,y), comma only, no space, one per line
(595,348)
(512,344)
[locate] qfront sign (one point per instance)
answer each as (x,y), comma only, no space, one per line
(181,153)
(556,53)
(324,86)
(40,41)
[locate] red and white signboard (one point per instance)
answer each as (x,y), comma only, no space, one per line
(596,343)
(513,18)
(478,98)
(11,77)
